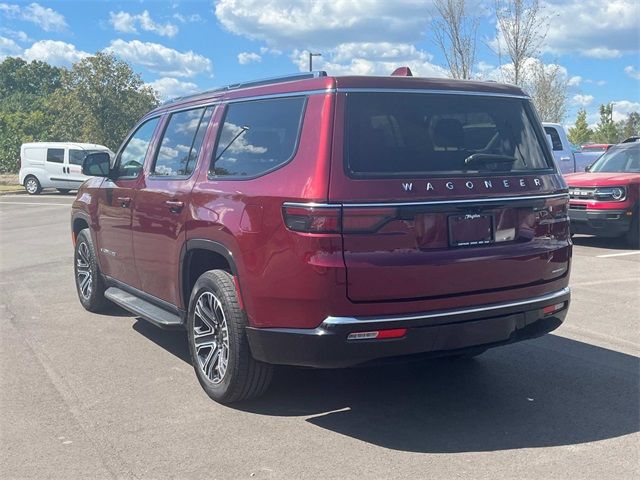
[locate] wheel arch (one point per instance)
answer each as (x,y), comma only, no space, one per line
(199,256)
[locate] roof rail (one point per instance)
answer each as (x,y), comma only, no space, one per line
(254,83)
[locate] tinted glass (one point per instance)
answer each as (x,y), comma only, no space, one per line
(133,155)
(181,142)
(55,155)
(257,137)
(619,159)
(76,157)
(402,134)
(555,138)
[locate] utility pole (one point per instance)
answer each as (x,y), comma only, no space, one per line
(311,55)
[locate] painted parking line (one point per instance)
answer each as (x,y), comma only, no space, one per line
(36,203)
(618,254)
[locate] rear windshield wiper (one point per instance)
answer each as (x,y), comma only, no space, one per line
(488,158)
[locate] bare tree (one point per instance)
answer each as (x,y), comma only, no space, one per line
(455,32)
(547,86)
(522,28)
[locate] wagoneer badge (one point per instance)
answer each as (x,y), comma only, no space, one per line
(481,184)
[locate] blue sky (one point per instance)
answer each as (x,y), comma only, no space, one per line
(183,46)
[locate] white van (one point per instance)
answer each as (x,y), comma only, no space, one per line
(54,165)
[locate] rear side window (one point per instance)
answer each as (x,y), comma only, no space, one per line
(55,155)
(555,138)
(257,137)
(181,143)
(76,157)
(408,134)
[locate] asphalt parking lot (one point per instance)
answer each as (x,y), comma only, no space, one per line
(93,396)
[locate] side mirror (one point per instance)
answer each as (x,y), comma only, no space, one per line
(97,164)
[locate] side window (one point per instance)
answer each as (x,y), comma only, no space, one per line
(133,154)
(76,157)
(555,138)
(181,143)
(257,136)
(55,155)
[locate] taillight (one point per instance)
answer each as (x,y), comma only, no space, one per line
(312,219)
(336,219)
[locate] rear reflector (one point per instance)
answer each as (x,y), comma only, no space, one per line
(378,334)
(553,308)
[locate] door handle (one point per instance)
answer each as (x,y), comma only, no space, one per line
(124,201)
(175,206)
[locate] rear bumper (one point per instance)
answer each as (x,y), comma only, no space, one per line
(432,333)
(609,223)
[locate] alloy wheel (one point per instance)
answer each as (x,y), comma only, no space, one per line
(84,277)
(211,337)
(32,186)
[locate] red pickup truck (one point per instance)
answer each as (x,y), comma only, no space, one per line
(604,200)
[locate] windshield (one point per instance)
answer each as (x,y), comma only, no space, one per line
(409,134)
(622,159)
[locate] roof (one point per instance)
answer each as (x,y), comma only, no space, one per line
(320,81)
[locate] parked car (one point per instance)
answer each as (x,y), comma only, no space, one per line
(567,157)
(598,148)
(327,222)
(54,165)
(605,200)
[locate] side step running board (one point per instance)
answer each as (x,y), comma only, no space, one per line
(150,312)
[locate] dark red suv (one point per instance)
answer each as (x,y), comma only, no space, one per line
(329,221)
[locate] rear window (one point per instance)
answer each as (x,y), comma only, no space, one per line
(408,134)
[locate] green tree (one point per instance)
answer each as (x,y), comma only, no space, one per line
(99,101)
(24,116)
(606,131)
(629,127)
(580,133)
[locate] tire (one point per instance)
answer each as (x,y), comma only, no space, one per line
(63,191)
(85,266)
(633,235)
(216,319)
(32,185)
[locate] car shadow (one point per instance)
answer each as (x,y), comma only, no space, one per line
(551,391)
(616,243)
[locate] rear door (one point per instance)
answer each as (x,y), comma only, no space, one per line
(445,195)
(162,203)
(74,172)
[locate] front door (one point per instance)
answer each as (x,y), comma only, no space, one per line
(115,203)
(162,203)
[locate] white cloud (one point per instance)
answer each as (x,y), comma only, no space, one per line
(367,58)
(168,87)
(54,52)
(9,48)
(593,28)
(160,59)
(248,57)
(574,81)
(622,109)
(582,100)
(45,17)
(601,53)
(127,23)
(322,24)
(15,34)
(194,17)
(632,72)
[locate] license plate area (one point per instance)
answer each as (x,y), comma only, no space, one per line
(470,229)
